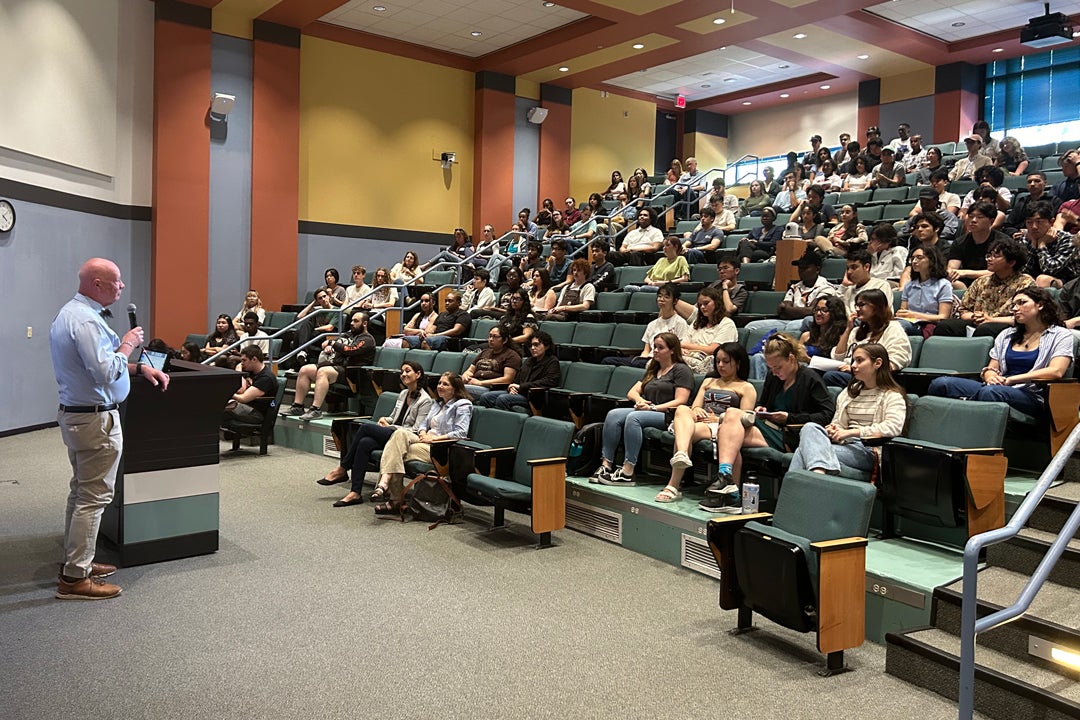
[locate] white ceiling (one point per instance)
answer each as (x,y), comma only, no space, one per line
(939,18)
(724,71)
(448,24)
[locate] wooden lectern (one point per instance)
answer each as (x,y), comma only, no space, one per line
(788,250)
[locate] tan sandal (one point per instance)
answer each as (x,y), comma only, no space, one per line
(670,493)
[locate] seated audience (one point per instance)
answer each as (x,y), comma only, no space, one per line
(539,369)
(760,243)
(671,268)
(674,172)
(666,385)
(933,164)
(617,186)
(448,418)
(451,322)
(790,196)
(990,146)
(873,311)
(581,231)
(533,259)
(726,219)
(412,406)
(916,158)
(704,238)
(947,225)
(667,321)
(405,272)
(252,335)
(315,321)
(495,366)
(968,255)
(793,394)
(640,242)
(725,389)
(829,321)
(252,303)
(846,235)
(601,272)
(359,288)
(1069,187)
(887,259)
(1015,221)
(337,291)
(857,278)
(519,323)
(513,282)
(709,326)
(571,213)
(965,167)
(1011,156)
(355,347)
(419,324)
(256,382)
(827,176)
(190,352)
(541,296)
(690,185)
(889,173)
(478,292)
(859,177)
(1038,348)
(382,296)
(757,200)
(577,295)
(772,187)
(986,304)
(927,296)
(871,406)
(990,189)
(222,336)
(558,263)
(800,299)
(455,253)
(1052,253)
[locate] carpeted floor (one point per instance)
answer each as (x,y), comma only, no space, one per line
(309,611)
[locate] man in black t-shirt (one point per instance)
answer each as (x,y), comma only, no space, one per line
(451,322)
(257,382)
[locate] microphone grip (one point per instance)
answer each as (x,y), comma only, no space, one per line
(131,319)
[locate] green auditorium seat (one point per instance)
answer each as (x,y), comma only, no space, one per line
(625,340)
(870,214)
(567,402)
(761,304)
(758,276)
(804,566)
(833,269)
(893,213)
(641,309)
(425,358)
(630,275)
(703,273)
(685,226)
(607,304)
(886,196)
(586,335)
(955,356)
(560,332)
(856,199)
(749,223)
(537,484)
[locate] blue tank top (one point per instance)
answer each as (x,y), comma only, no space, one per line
(1019,361)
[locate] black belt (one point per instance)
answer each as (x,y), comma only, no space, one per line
(89,408)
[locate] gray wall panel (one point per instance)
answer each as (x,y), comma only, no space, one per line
(526,165)
(230,180)
(916,112)
(39,263)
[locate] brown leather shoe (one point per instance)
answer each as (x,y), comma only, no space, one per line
(86,589)
(101,570)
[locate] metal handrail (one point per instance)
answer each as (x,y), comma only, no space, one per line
(970,627)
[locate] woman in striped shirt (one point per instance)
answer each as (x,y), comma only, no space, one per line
(872,406)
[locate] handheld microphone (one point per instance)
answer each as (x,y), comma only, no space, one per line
(131,315)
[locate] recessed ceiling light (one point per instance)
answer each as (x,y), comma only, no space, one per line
(719,21)
(1076,33)
(826,87)
(637,46)
(863,57)
(549,4)
(564,69)
(783,67)
(784,95)
(998,50)
(379,8)
(706,86)
(476,33)
(799,36)
(746,103)
(729,79)
(959,24)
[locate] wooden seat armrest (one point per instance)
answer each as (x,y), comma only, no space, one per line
(876,441)
(826,546)
(546,461)
(548,494)
(739,520)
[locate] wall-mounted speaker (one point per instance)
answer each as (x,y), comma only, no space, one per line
(536,115)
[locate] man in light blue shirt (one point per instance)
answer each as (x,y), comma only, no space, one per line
(94,376)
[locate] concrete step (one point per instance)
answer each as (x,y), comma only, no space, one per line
(1004,688)
(1023,553)
(1054,510)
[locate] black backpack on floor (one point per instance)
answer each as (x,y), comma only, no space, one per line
(584,456)
(429,498)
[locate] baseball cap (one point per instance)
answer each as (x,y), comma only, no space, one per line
(809,259)
(887,149)
(973,138)
(928,192)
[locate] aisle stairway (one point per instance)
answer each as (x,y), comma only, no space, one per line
(1010,682)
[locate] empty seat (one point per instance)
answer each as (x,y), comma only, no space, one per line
(871,213)
(758,276)
(885,196)
(749,223)
(860,197)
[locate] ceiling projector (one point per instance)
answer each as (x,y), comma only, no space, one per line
(1046,30)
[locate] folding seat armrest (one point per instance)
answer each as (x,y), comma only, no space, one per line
(440,455)
(495,462)
(949,448)
(841,601)
(827,546)
(548,510)
(876,441)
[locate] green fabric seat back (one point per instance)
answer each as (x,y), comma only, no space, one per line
(560,332)
(749,223)
(891,213)
(611,301)
(871,213)
(703,273)
(391,357)
(630,275)
(888,195)
(592,334)
(439,277)
(753,336)
(685,226)
(446,361)
(916,342)
(495,428)
(642,302)
(833,269)
(425,358)
(622,379)
(761,273)
(960,354)
(540,438)
(860,197)
(198,339)
(481,327)
(384,406)
(627,335)
(587,377)
(763,302)
(957,423)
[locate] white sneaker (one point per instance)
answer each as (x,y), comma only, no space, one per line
(681,460)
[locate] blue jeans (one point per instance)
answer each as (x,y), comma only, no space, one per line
(817,452)
(836,378)
(623,361)
(625,425)
(502,400)
(641,288)
(795,328)
(1028,402)
(435,342)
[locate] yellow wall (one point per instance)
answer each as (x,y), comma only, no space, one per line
(908,85)
(603,139)
(710,151)
(370,125)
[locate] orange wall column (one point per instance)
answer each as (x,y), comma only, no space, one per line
(275,161)
(493,175)
(957,100)
(179,264)
(554,170)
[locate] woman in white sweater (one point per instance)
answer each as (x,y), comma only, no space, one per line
(872,322)
(872,406)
